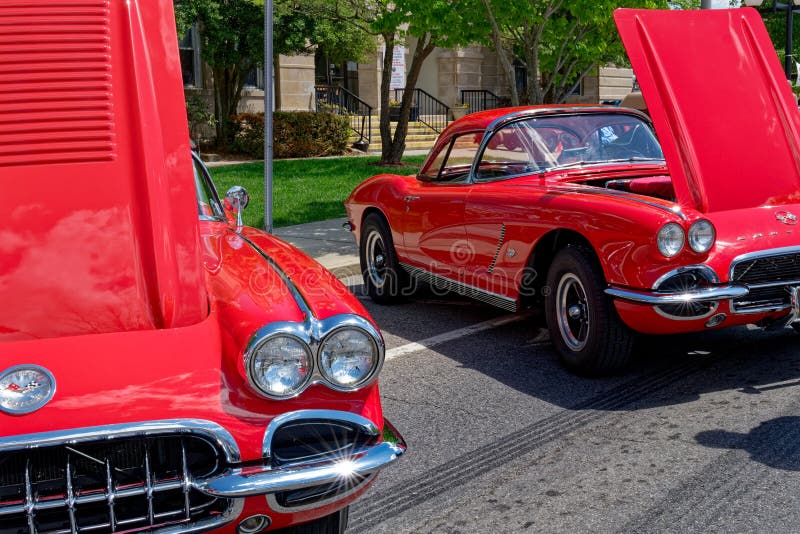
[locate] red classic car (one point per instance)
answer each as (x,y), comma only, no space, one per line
(162,367)
(582,211)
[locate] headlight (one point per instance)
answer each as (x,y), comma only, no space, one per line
(280,366)
(671,239)
(348,358)
(702,236)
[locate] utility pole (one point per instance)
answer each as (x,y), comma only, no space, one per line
(268,99)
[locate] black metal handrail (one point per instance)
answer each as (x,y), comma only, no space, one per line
(482,99)
(336,99)
(427,109)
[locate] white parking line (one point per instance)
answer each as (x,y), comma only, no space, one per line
(433,341)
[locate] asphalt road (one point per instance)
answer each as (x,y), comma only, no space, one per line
(701,435)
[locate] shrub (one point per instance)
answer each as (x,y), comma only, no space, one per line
(297,134)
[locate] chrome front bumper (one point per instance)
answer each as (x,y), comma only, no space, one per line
(356,465)
(654,298)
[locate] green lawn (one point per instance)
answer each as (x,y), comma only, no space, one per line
(304,190)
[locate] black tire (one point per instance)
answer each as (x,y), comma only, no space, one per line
(384,278)
(796,327)
(336,523)
(584,326)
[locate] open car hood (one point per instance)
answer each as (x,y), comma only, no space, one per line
(98,231)
(723,110)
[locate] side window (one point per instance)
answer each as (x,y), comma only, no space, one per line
(453,162)
(208,204)
(506,154)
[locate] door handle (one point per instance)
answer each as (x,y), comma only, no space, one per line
(411,197)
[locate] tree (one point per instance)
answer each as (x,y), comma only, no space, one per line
(432,23)
(557,42)
(232,44)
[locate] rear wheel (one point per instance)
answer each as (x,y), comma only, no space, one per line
(584,326)
(384,278)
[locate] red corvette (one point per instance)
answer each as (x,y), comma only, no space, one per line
(583,211)
(158,373)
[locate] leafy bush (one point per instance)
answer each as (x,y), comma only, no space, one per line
(297,134)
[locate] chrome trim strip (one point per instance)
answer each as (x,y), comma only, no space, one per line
(695,295)
(759,310)
(232,512)
(360,463)
(665,315)
(499,246)
(495,299)
(765,285)
(709,274)
(213,432)
(675,209)
(273,503)
(300,415)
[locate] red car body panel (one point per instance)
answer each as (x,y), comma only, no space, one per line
(139,311)
(713,161)
(752,201)
(87,126)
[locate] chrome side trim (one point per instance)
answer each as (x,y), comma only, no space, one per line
(707,271)
(675,209)
(359,464)
(495,299)
(334,415)
(695,295)
(213,432)
(499,246)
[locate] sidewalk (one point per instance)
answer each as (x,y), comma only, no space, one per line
(327,242)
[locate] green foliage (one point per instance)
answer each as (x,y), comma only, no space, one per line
(559,41)
(775,21)
(297,134)
(199,116)
(305,190)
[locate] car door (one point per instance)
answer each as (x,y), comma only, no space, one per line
(433,231)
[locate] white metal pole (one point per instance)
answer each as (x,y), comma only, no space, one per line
(268,100)
(705,4)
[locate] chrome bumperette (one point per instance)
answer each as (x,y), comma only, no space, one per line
(356,463)
(495,299)
(706,294)
(709,274)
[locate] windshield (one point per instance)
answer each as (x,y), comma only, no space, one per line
(539,144)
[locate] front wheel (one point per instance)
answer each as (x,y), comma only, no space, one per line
(384,278)
(584,326)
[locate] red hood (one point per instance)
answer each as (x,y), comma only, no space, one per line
(98,231)
(721,105)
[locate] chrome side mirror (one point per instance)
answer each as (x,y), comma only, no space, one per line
(236,199)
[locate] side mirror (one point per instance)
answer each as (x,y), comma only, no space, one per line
(236,199)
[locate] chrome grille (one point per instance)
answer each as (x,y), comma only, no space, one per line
(769,275)
(125,484)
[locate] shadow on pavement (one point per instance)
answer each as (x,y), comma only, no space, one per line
(775,443)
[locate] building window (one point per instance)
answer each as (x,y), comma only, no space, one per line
(189,48)
(577,90)
(255,79)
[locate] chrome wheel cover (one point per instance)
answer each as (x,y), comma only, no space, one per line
(572,312)
(375,251)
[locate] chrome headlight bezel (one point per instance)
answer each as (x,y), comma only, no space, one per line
(327,375)
(692,237)
(251,357)
(313,333)
(670,231)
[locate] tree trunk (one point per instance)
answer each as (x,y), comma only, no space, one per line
(386,80)
(503,55)
(393,153)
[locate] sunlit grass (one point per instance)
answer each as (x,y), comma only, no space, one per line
(304,190)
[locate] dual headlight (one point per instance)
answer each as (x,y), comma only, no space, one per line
(671,238)
(282,364)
